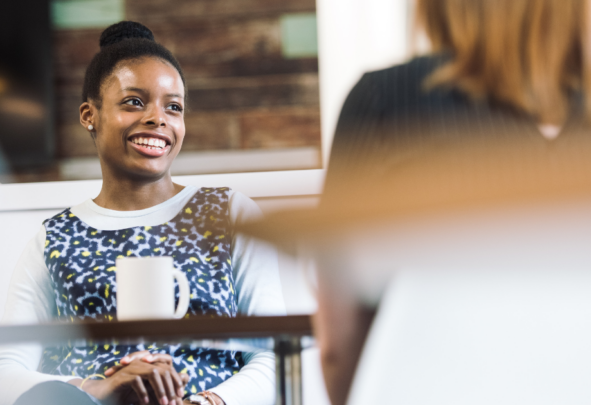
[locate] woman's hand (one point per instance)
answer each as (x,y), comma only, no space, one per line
(128,383)
(178,380)
(143,356)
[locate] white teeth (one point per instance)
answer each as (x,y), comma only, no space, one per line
(150,143)
(140,141)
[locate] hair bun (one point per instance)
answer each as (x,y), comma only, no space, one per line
(124,30)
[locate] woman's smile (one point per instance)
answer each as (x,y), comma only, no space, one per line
(150,144)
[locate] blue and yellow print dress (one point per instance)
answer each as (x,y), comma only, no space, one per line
(81,263)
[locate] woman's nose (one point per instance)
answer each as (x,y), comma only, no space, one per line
(155,117)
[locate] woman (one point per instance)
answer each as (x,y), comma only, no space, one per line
(498,70)
(134,98)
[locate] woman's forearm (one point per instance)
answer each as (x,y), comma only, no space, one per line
(253,385)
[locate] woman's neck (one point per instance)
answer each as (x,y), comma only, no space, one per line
(124,194)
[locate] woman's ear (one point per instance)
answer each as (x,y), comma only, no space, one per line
(88,117)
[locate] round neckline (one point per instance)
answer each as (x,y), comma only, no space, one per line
(90,204)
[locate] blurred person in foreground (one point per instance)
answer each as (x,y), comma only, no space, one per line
(133,106)
(499,71)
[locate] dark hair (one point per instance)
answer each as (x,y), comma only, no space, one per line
(125,40)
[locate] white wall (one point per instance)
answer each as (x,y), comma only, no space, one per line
(356,36)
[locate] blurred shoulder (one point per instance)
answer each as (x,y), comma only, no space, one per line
(410,74)
(402,88)
(420,66)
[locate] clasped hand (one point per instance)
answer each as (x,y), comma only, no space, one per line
(141,378)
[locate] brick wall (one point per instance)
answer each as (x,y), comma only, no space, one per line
(243,94)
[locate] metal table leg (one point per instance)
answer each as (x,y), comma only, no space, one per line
(288,371)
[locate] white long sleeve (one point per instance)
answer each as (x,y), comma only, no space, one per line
(251,385)
(257,283)
(30,300)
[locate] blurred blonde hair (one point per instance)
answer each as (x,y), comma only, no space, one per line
(527,53)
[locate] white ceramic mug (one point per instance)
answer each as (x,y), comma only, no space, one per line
(145,289)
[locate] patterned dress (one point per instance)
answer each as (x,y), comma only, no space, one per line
(81,263)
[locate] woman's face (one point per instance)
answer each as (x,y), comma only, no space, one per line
(140,124)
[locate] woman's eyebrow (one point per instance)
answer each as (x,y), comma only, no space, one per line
(139,90)
(136,89)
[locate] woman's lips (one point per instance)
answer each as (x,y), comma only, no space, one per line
(149,151)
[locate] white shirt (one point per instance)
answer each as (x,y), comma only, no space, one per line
(256,277)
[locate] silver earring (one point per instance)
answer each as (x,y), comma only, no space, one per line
(90,127)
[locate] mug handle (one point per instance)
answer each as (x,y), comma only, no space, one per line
(184,293)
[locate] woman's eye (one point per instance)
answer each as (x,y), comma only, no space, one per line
(176,107)
(133,101)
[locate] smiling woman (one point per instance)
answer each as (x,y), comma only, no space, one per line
(133,123)
(133,103)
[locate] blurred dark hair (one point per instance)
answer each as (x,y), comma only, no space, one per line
(527,53)
(126,40)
